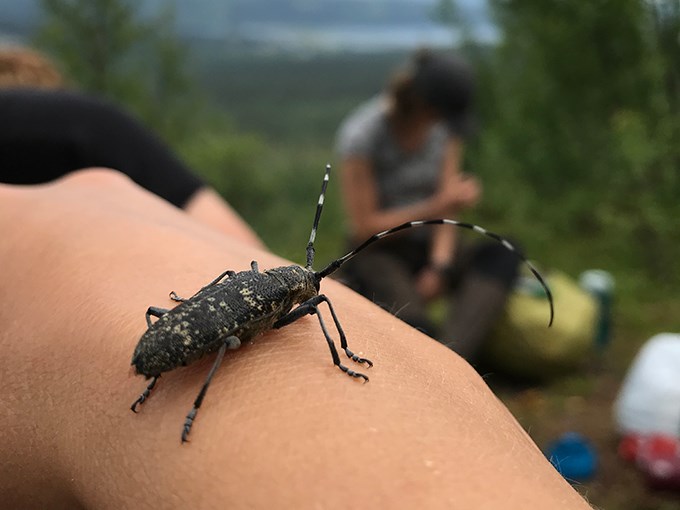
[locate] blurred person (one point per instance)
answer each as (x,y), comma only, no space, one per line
(24,67)
(48,131)
(402,155)
(283,428)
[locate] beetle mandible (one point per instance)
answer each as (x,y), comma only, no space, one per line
(235,307)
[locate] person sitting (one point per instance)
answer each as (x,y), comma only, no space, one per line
(401,156)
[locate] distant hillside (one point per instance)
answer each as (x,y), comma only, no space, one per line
(284,19)
(326,24)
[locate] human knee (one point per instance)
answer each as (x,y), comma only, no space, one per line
(498,263)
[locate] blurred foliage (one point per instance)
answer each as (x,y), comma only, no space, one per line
(447,12)
(290,98)
(92,39)
(578,113)
(273,188)
(579,110)
(106,48)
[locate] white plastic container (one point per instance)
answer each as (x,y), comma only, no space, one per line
(649,399)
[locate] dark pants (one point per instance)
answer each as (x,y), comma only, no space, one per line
(476,287)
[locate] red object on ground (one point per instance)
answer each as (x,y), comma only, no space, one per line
(657,456)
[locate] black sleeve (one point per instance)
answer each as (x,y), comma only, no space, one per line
(46,134)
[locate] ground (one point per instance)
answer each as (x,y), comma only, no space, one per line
(582,402)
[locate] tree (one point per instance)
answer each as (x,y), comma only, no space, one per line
(448,13)
(92,39)
(105,48)
(580,103)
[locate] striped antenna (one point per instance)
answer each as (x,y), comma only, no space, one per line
(317,217)
(335,265)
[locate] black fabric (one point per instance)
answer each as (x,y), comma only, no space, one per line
(476,286)
(489,259)
(47,134)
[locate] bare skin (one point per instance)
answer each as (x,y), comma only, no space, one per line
(208,207)
(281,427)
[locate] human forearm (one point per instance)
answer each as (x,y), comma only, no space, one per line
(281,427)
(209,208)
(368,216)
(380,220)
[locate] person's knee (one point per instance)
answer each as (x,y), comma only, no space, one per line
(495,261)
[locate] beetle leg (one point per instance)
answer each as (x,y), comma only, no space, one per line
(343,338)
(309,307)
(231,342)
(334,351)
(305,308)
(144,395)
(254,267)
(156,312)
(175,297)
(228,273)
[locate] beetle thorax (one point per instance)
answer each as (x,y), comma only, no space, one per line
(300,282)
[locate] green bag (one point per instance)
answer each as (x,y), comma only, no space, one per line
(522,345)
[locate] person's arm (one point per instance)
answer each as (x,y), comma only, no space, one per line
(208,207)
(74,130)
(360,194)
(280,427)
(466,192)
(452,181)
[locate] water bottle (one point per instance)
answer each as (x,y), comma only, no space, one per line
(600,284)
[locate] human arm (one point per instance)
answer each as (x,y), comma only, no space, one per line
(281,427)
(209,208)
(47,134)
(466,190)
(360,194)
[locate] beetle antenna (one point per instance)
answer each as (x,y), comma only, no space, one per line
(317,217)
(335,265)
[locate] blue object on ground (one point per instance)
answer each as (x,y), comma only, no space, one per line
(573,456)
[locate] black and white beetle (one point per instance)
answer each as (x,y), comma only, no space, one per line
(235,307)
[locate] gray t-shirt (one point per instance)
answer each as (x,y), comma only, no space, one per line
(403,177)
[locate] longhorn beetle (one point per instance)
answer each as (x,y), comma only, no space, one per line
(235,307)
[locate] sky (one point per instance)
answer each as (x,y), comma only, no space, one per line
(353,25)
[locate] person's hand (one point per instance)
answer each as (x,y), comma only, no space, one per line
(429,283)
(469,191)
(460,194)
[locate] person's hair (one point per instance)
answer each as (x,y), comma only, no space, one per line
(406,98)
(442,82)
(22,67)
